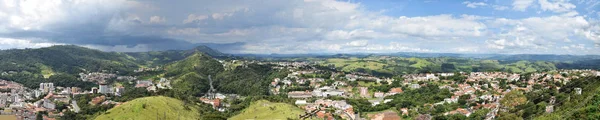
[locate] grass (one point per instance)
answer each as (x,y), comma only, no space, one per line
(352,64)
(46,71)
(267,110)
(155,107)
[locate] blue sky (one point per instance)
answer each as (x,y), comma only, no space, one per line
(307,26)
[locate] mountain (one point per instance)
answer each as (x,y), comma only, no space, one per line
(197,62)
(153,58)
(155,107)
(63,58)
(33,66)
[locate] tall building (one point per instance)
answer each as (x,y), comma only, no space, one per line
(104,89)
(46,87)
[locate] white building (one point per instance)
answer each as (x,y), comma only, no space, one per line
(446,74)
(300,102)
(104,89)
(46,87)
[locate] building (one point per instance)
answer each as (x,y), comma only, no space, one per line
(143,83)
(300,102)
(119,90)
(104,89)
(415,86)
(578,91)
(364,92)
(299,94)
(549,108)
(46,87)
(94,90)
(48,104)
(379,94)
(75,90)
(327,91)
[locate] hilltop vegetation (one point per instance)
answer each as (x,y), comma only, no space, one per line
(156,107)
(155,58)
(263,109)
(33,66)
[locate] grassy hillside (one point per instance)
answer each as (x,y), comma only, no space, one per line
(150,108)
(399,65)
(267,110)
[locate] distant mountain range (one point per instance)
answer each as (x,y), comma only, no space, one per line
(503,57)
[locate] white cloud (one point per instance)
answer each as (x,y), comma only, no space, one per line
(358,43)
(499,7)
(556,6)
(157,19)
(521,5)
(194,18)
(474,4)
(9,43)
(41,15)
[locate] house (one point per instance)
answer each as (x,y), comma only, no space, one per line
(379,94)
(549,108)
(386,116)
(415,86)
(404,111)
(119,90)
(98,100)
(94,90)
(327,91)
(394,91)
(299,94)
(300,102)
(459,111)
(446,74)
(578,91)
(143,83)
(364,92)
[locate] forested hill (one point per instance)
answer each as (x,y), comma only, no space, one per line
(63,58)
(154,58)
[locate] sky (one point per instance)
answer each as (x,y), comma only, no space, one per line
(307,26)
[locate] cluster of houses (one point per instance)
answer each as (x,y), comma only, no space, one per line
(483,88)
(96,76)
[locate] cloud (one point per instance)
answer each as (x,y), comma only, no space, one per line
(556,6)
(296,26)
(157,19)
(499,7)
(358,43)
(10,43)
(521,5)
(194,18)
(474,4)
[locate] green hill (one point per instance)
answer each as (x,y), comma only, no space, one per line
(154,58)
(32,66)
(148,108)
(198,62)
(267,110)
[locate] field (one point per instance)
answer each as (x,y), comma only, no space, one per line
(267,110)
(46,71)
(156,107)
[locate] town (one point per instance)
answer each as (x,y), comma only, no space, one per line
(322,93)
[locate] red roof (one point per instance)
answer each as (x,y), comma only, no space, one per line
(396,90)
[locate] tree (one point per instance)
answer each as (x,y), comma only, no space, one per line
(513,98)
